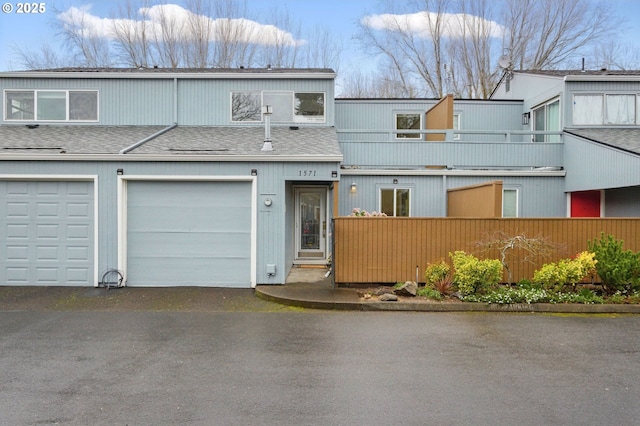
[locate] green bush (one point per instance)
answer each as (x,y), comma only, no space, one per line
(472,275)
(429,293)
(556,276)
(436,272)
(619,269)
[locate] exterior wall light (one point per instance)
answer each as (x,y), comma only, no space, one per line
(354,187)
(525,118)
(395,181)
(334,174)
(120,172)
(254,172)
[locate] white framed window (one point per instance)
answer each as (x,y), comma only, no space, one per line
(286,106)
(510,202)
(606,109)
(546,117)
(308,107)
(395,202)
(620,109)
(51,105)
(408,121)
(588,109)
(456,126)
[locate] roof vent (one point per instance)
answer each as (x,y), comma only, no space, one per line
(267,111)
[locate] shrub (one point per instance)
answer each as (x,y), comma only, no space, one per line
(429,293)
(555,276)
(472,275)
(436,272)
(619,269)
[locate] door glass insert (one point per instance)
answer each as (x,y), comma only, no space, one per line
(311,223)
(310,215)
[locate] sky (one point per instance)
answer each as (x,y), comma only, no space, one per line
(340,17)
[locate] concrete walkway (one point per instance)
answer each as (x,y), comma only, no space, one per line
(310,288)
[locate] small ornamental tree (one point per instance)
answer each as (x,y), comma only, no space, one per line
(527,248)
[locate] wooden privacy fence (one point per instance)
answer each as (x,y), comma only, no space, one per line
(389,250)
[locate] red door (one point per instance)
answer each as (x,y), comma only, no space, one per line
(585,204)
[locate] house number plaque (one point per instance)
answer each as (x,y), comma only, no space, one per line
(307,172)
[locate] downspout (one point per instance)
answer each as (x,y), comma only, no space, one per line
(147,139)
(162,131)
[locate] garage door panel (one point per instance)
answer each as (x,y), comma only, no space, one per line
(189,233)
(46,235)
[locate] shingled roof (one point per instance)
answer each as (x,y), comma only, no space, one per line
(626,139)
(57,142)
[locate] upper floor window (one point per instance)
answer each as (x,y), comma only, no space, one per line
(395,201)
(598,110)
(456,126)
(547,118)
(408,121)
(51,105)
(286,106)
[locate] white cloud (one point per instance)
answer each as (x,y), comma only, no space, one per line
(420,23)
(244,30)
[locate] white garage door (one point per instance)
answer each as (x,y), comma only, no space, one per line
(188,233)
(46,237)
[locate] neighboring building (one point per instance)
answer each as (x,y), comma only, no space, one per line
(183,177)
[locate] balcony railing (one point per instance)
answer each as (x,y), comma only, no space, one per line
(474,149)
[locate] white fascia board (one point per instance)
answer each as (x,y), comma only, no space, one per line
(443,172)
(88,75)
(603,77)
(267,158)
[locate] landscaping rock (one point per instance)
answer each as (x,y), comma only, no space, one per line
(388,297)
(382,290)
(409,288)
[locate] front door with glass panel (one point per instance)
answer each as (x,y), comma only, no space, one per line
(311,224)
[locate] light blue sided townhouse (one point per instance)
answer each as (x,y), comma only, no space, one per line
(230,177)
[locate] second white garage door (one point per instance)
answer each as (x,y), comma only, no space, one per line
(189,233)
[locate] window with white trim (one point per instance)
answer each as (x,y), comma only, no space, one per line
(286,106)
(509,202)
(546,117)
(605,109)
(51,105)
(408,121)
(456,126)
(395,202)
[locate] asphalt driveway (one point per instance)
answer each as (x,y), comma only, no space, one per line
(308,367)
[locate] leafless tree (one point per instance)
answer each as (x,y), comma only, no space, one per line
(440,51)
(387,84)
(132,38)
(45,57)
(88,46)
(411,42)
(471,58)
(322,50)
(518,247)
(199,30)
(205,33)
(545,34)
(615,56)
